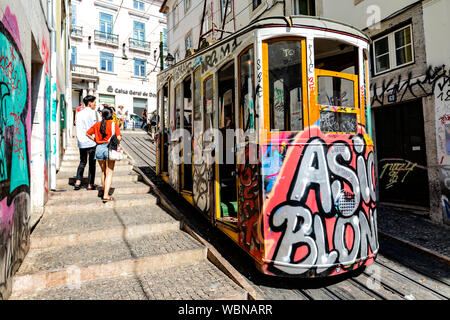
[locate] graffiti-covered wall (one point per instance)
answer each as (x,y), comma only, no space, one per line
(15,126)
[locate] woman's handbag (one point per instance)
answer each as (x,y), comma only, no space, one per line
(114,153)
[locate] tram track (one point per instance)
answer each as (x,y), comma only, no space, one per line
(389,278)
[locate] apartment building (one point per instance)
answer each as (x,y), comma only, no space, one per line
(115,52)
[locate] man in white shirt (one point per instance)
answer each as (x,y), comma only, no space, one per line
(86,118)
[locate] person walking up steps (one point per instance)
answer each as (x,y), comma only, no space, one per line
(102,132)
(85,119)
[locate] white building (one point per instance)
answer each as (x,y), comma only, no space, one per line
(115,48)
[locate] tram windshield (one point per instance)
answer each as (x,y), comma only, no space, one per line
(285,85)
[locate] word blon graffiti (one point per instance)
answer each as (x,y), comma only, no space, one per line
(321,211)
(14,153)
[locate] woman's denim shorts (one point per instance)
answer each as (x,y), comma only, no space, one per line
(102,152)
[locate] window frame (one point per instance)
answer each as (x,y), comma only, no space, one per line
(136,60)
(106,22)
(392,50)
(266,93)
(257,4)
(74,54)
(137,5)
(240,108)
(102,55)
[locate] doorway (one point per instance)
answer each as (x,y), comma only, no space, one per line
(402,162)
(227,163)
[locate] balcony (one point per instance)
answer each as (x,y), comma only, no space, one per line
(139,45)
(76,31)
(80,72)
(106,38)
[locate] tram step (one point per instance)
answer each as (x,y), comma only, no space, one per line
(43,268)
(69,206)
(60,229)
(119,176)
(193,281)
(116,189)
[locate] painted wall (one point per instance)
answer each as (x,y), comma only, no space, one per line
(435,17)
(15,128)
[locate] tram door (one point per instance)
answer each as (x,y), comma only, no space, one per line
(226,192)
(175,127)
(186,167)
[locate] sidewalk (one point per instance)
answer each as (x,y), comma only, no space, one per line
(415,231)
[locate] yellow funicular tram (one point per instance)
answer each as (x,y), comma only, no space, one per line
(267,133)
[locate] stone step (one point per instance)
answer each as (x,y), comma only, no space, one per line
(74,164)
(49,267)
(61,230)
(66,173)
(117,188)
(74,157)
(73,169)
(119,176)
(70,206)
(193,281)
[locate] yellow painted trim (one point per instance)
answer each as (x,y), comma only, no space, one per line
(233,235)
(188,198)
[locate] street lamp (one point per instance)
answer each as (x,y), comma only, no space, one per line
(170,59)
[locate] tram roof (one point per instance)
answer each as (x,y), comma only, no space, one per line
(300,21)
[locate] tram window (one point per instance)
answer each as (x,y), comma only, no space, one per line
(208,95)
(197,95)
(226,112)
(179,101)
(335,55)
(166,106)
(187,94)
(285,85)
(247,92)
(334,91)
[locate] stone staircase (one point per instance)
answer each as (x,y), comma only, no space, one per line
(129,248)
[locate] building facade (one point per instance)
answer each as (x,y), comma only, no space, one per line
(34,79)
(410,103)
(115,52)
(410,81)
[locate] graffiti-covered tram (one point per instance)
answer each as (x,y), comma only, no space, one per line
(268,134)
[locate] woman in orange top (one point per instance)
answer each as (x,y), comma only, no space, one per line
(102,132)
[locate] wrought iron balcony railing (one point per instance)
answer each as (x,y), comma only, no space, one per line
(106,38)
(139,44)
(84,72)
(76,31)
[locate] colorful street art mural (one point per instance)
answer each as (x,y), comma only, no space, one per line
(15,127)
(320,210)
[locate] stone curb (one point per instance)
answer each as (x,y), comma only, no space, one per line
(432,254)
